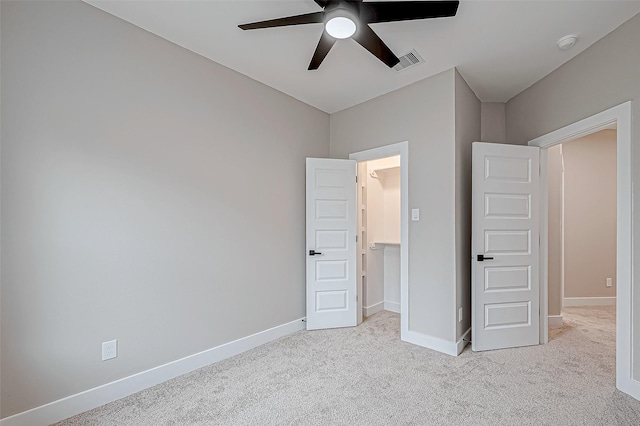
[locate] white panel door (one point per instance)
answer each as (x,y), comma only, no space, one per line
(331,243)
(505,246)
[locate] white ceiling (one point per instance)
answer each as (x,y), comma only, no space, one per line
(499,47)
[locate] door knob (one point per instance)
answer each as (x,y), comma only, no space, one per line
(482,258)
(313,252)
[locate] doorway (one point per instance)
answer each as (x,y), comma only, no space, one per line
(582,223)
(400,247)
(619,116)
(379,234)
(582,243)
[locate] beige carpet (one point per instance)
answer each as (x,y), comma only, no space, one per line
(366,376)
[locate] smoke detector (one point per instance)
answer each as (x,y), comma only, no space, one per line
(567,42)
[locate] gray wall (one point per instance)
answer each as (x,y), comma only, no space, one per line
(467,126)
(137,179)
(423,114)
(590,215)
(554,275)
(493,118)
(605,75)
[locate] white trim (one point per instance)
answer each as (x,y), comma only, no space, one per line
(402,149)
(562,228)
(431,342)
(555,320)
(621,117)
(392,306)
(588,301)
(543,261)
(373,309)
(463,341)
(98,396)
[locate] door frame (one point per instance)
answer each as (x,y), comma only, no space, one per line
(401,149)
(620,116)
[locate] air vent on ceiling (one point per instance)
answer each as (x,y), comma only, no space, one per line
(408,60)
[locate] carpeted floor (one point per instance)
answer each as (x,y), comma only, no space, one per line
(367,376)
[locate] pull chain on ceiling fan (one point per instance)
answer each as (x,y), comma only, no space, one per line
(350,18)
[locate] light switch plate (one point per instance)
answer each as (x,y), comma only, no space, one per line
(415,215)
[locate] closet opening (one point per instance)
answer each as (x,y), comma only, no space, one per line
(379,242)
(373,243)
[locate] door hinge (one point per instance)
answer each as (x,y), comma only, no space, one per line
(356,238)
(356,297)
(356,178)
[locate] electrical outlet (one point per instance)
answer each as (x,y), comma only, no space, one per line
(109,350)
(459,314)
(609,282)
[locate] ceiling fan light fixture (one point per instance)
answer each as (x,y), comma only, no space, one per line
(340,27)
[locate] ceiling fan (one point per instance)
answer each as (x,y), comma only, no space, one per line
(350,18)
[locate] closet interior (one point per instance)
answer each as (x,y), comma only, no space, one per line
(379,234)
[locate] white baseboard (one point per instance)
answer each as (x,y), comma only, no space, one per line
(462,342)
(392,306)
(96,397)
(431,342)
(589,301)
(373,309)
(555,320)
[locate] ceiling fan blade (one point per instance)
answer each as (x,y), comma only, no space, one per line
(308,18)
(389,11)
(374,44)
(322,3)
(324,46)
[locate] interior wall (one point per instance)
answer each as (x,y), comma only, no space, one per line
(554,276)
(137,180)
(493,126)
(590,215)
(602,76)
(423,114)
(392,277)
(467,131)
(391,196)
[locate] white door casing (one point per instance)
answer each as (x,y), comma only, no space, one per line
(331,232)
(505,231)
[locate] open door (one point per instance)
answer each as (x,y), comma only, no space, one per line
(331,243)
(505,246)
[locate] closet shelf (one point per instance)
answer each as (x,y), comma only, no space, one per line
(383,171)
(374,245)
